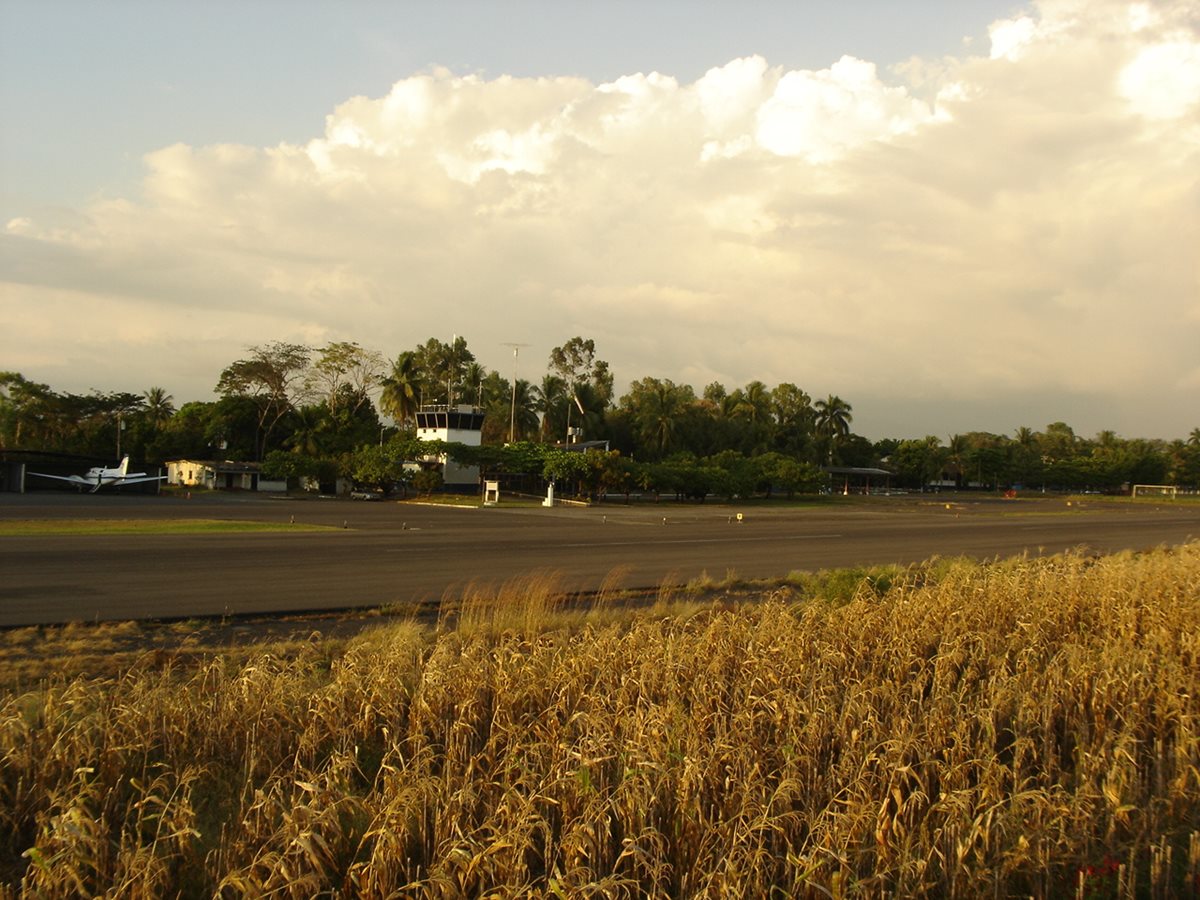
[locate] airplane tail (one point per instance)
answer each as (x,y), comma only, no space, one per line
(125,465)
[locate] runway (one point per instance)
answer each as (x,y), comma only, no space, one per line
(384,552)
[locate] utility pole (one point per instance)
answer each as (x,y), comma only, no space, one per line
(512,416)
(582,412)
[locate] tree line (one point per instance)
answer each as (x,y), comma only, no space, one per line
(343,409)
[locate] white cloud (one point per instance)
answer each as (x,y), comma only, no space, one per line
(1163,80)
(729,94)
(1010,37)
(989,230)
(821,115)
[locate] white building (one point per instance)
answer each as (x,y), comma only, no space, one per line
(219,475)
(462,424)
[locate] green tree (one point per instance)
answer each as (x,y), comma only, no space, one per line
(309,427)
(273,378)
(794,419)
(372,466)
(1025,457)
(856,450)
(564,466)
(442,369)
(495,398)
(426,481)
(1186,460)
(833,418)
(587,381)
(716,425)
(1058,442)
(919,462)
(188,434)
(344,373)
(986,459)
(234,428)
(956,452)
(158,407)
(290,467)
(753,410)
(25,410)
(735,474)
(522,412)
(401,397)
(551,401)
(797,477)
(473,378)
(656,409)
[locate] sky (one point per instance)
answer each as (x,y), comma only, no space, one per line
(956,215)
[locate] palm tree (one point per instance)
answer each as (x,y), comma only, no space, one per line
(1024,454)
(662,407)
(401,397)
(832,420)
(158,408)
(310,427)
(524,411)
(957,450)
(932,460)
(550,400)
(473,375)
(455,358)
(754,408)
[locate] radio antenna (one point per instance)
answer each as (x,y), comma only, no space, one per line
(512,418)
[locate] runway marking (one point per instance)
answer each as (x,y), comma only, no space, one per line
(744,540)
(592,545)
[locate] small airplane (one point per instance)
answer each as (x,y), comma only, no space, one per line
(101,476)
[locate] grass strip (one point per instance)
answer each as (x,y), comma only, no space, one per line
(57,527)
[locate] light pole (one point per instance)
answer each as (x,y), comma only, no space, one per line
(575,399)
(512,416)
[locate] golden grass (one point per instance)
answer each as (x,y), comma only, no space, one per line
(1023,728)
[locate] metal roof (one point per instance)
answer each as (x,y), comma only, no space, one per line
(853,470)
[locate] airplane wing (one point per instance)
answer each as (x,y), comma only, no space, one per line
(73,479)
(94,484)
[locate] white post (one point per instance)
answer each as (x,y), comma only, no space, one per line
(512,417)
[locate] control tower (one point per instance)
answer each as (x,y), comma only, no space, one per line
(461,424)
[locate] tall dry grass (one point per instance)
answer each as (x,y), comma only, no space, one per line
(1023,728)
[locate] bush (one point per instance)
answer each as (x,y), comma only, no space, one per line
(427,481)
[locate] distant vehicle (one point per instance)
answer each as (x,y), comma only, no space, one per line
(100,476)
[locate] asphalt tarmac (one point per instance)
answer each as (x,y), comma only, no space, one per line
(390,553)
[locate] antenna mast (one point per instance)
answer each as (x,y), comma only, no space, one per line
(512,419)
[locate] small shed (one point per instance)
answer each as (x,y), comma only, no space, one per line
(857,479)
(224,475)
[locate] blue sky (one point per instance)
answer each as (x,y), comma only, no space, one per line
(954,215)
(91,86)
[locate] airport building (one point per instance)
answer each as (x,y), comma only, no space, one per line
(461,424)
(220,475)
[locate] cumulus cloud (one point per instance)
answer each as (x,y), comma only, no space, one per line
(822,115)
(1007,232)
(1163,80)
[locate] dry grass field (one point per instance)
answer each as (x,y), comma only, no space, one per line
(1017,728)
